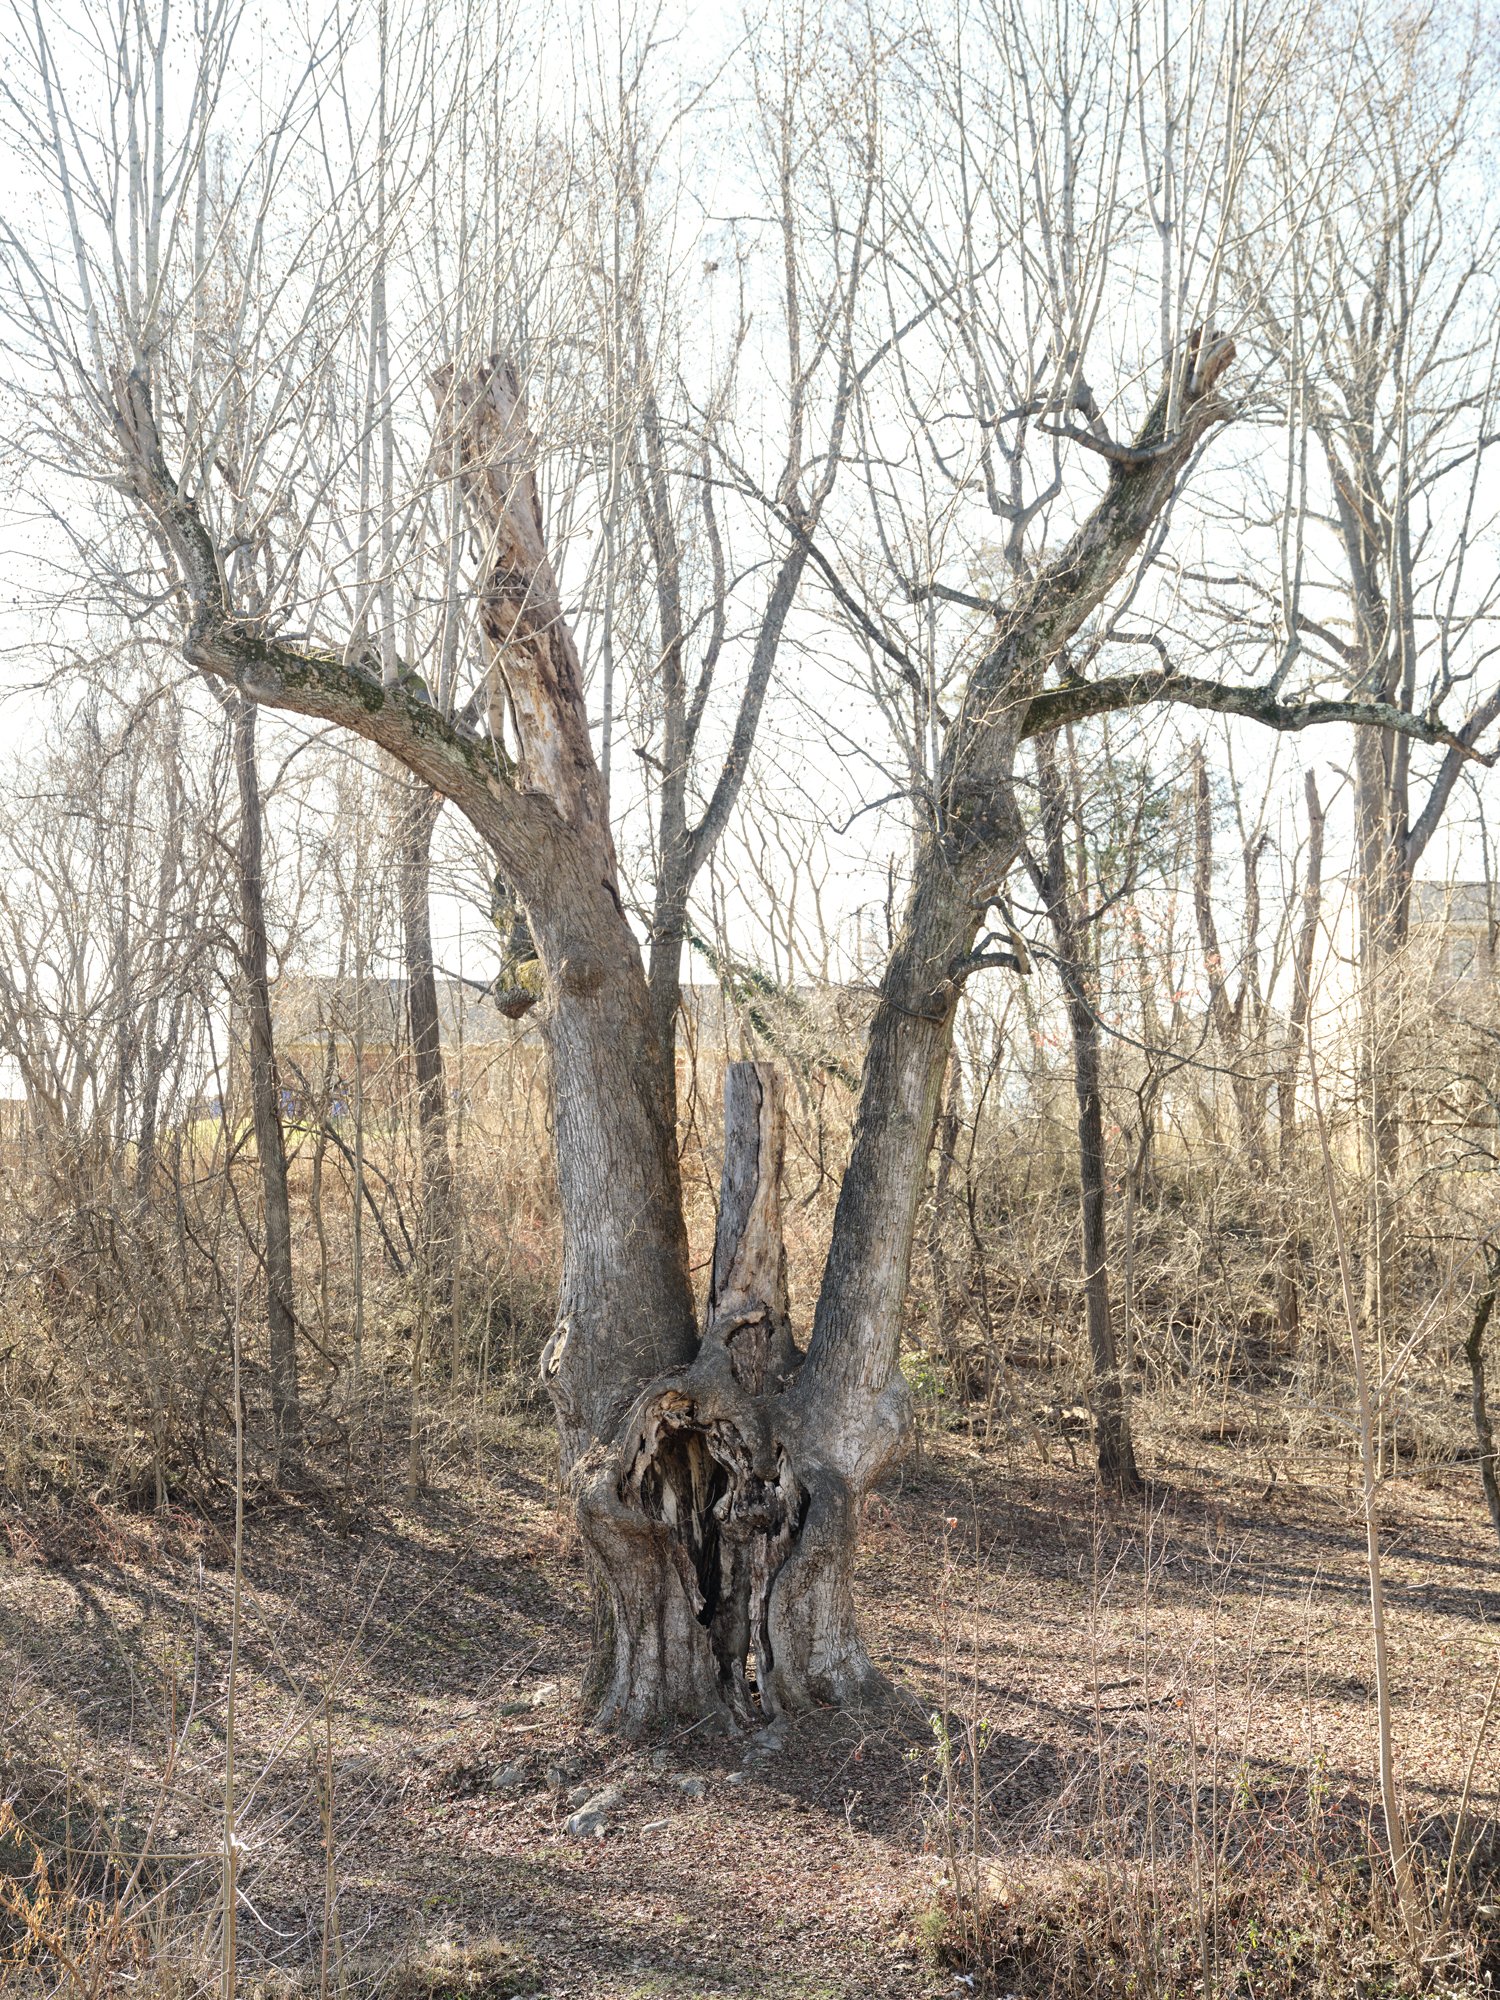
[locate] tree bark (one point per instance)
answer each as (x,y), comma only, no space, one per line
(265,1096)
(1116,1448)
(438,1246)
(1383,894)
(690,1519)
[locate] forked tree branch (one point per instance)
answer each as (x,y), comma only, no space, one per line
(319,683)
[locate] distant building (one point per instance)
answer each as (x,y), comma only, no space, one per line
(328,1029)
(1454,926)
(309,1008)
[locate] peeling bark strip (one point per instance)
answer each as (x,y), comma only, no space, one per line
(521,612)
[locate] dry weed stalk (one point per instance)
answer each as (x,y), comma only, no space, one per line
(1397,1835)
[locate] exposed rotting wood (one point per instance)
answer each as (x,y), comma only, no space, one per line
(530,641)
(702,1461)
(704,1465)
(747,1297)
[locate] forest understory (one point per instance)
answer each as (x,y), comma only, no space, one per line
(1132,1753)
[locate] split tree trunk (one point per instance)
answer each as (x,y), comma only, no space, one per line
(265,1104)
(690,1520)
(718,1479)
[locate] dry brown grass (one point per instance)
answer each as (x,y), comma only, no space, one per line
(1141,1760)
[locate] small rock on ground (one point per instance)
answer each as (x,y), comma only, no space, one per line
(591,1819)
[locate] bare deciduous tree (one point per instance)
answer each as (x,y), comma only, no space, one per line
(203,353)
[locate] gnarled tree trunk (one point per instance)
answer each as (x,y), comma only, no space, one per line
(690,1517)
(718,1475)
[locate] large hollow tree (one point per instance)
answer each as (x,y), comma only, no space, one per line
(718,1472)
(717,1477)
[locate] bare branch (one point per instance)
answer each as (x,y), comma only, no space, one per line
(1055,707)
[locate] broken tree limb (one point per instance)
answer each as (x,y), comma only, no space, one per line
(747,1298)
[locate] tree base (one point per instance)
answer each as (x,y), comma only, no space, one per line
(712,1552)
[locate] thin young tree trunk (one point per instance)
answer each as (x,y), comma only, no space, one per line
(1288,1287)
(945,1303)
(158,1043)
(1381,887)
(1483,1429)
(265,1106)
(1229,1015)
(418,810)
(1397,1836)
(1116,1447)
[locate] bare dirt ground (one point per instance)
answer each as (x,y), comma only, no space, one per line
(412,1681)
